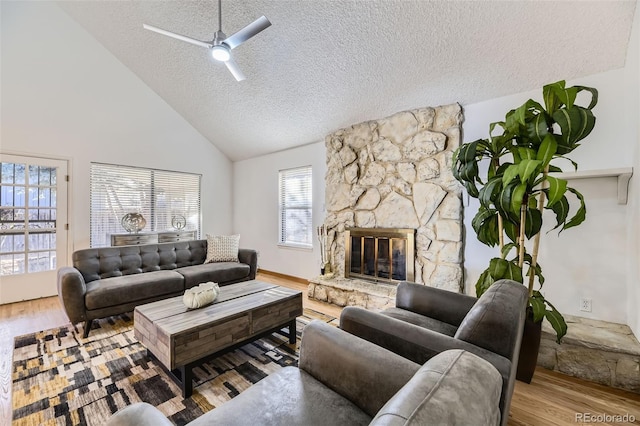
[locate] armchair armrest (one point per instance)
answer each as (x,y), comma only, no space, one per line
(433,302)
(139,414)
(250,257)
(362,372)
(71,291)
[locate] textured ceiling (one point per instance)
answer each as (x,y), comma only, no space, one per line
(324,65)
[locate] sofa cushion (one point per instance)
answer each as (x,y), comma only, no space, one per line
(220,272)
(421,320)
(288,397)
(453,378)
(124,289)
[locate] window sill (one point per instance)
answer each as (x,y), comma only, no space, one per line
(301,247)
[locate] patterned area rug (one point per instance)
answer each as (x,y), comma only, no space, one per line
(59,378)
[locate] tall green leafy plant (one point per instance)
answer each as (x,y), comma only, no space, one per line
(509,173)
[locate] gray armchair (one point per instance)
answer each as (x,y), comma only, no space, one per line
(427,321)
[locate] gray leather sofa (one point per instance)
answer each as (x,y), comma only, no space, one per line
(427,321)
(345,380)
(113,280)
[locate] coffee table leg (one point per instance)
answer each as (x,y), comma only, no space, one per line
(292,331)
(186,375)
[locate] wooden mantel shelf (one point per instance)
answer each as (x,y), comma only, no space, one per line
(622,174)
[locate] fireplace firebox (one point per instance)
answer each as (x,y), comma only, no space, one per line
(380,254)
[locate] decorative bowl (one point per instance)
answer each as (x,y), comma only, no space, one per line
(133,222)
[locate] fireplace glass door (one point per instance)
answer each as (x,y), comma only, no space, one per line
(378,255)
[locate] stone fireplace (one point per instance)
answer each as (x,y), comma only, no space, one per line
(393,173)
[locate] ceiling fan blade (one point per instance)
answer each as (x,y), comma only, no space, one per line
(177,36)
(235,40)
(232,66)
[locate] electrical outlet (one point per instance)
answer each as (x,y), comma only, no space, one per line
(585,304)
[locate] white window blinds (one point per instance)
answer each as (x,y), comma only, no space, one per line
(162,197)
(295,199)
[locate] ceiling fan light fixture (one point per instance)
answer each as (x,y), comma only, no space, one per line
(220,53)
(221,45)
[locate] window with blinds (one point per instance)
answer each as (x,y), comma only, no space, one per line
(165,199)
(295,199)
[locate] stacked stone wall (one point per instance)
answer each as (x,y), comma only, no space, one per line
(396,173)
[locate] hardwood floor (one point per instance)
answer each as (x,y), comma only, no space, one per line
(551,398)
(17,319)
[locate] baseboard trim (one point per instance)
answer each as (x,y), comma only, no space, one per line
(284,276)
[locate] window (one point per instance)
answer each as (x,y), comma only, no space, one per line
(28,217)
(295,207)
(164,198)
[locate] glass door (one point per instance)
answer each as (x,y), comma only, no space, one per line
(33,221)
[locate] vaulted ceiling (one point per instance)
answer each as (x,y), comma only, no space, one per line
(324,65)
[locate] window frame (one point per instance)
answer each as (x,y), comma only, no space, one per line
(282,209)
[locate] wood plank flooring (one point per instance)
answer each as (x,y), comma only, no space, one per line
(17,319)
(551,398)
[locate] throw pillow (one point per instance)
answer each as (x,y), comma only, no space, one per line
(222,248)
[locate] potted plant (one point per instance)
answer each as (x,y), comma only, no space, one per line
(511,174)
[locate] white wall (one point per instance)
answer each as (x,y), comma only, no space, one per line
(64,95)
(633,222)
(255,207)
(591,260)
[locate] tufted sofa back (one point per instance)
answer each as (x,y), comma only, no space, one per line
(107,262)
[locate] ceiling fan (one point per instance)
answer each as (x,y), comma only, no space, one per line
(221,45)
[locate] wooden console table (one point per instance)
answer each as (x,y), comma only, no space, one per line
(151,237)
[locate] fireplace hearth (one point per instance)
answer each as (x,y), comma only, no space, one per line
(380,254)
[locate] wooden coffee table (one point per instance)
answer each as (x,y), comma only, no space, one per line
(181,338)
